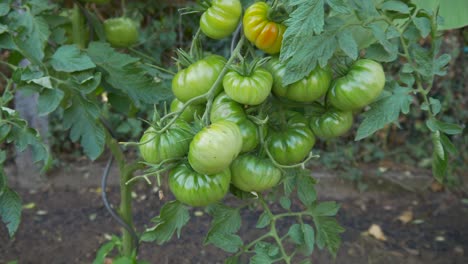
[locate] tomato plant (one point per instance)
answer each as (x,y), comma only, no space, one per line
(221,18)
(329,56)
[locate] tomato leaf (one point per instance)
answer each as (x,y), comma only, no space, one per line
(303,235)
(423,24)
(226,222)
(172,218)
(347,44)
(264,253)
(69,58)
(10,210)
(122,72)
(49,100)
(328,233)
(264,220)
(385,111)
(397,6)
(306,190)
(324,209)
(105,249)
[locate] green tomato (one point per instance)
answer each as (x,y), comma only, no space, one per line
(121,32)
(253,174)
(309,89)
(331,123)
(290,139)
(173,143)
(221,19)
(359,87)
(190,111)
(214,148)
(195,189)
(198,78)
(224,108)
(249,90)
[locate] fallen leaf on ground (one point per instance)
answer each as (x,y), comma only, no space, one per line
(406,217)
(377,232)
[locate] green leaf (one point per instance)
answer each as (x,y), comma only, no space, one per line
(123,73)
(172,218)
(82,118)
(123,260)
(348,44)
(325,209)
(264,253)
(3,180)
(308,16)
(24,136)
(240,193)
(232,260)
(306,190)
(43,81)
(264,220)
(86,81)
(285,202)
(31,34)
(435,105)
(303,235)
(339,6)
(385,111)
(328,233)
(295,233)
(10,210)
(105,250)
(49,100)
(226,241)
(453,12)
(439,163)
(226,222)
(396,6)
(423,24)
(379,53)
(447,128)
(4,9)
(448,145)
(69,58)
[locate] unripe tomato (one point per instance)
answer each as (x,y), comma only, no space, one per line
(189,113)
(198,78)
(121,32)
(249,90)
(221,19)
(267,35)
(331,123)
(173,143)
(359,87)
(309,89)
(224,108)
(214,148)
(251,173)
(195,189)
(289,142)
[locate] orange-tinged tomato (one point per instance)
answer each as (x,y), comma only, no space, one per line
(264,33)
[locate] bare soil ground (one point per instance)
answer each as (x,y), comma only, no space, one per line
(68,223)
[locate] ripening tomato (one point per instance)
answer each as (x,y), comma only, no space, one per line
(221,18)
(289,138)
(249,90)
(190,112)
(214,148)
(198,78)
(173,143)
(195,189)
(359,87)
(309,89)
(121,32)
(264,33)
(251,173)
(331,123)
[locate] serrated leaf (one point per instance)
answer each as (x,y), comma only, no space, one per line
(86,82)
(377,52)
(49,100)
(435,105)
(423,24)
(306,190)
(226,222)
(123,73)
(309,239)
(10,210)
(396,6)
(328,233)
(384,111)
(82,120)
(24,136)
(447,128)
(226,241)
(348,44)
(325,209)
(339,6)
(264,220)
(440,64)
(264,253)
(295,233)
(69,58)
(172,218)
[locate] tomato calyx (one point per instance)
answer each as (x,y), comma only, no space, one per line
(247,69)
(277,13)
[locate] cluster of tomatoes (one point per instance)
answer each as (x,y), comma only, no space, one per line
(237,147)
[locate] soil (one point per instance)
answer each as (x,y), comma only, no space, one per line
(68,222)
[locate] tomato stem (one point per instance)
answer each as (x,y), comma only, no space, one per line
(78,29)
